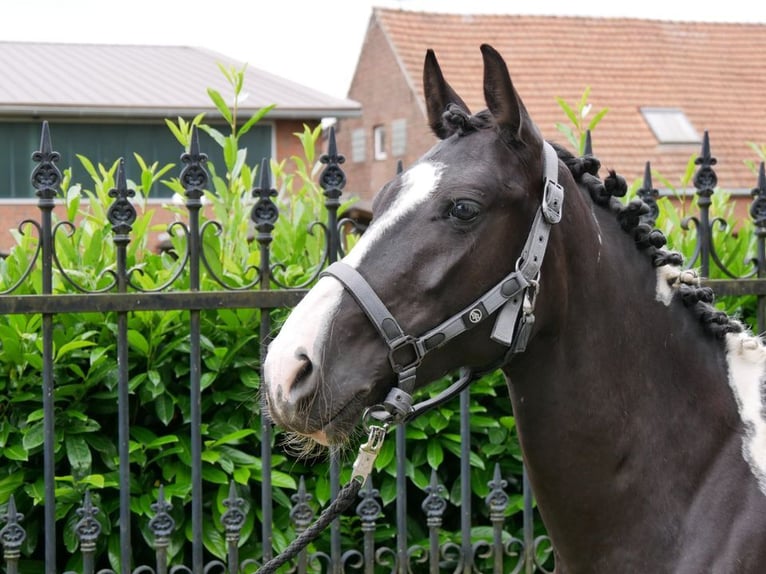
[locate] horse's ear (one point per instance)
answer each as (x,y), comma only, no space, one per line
(502,99)
(439,94)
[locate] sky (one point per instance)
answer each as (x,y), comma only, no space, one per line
(315,43)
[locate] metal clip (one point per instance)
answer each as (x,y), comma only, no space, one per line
(368,452)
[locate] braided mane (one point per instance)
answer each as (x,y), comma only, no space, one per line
(650,241)
(630,216)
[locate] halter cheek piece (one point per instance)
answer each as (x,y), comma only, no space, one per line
(512,295)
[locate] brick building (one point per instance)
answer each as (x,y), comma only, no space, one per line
(664,84)
(106,102)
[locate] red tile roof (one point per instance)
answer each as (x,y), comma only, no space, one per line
(712,71)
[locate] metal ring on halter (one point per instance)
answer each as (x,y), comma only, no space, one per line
(379,414)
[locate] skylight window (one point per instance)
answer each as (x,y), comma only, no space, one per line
(670,126)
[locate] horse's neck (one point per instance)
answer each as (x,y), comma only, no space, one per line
(614,382)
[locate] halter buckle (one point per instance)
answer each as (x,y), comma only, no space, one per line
(405,354)
(553,200)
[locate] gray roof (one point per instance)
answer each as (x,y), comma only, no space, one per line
(96,80)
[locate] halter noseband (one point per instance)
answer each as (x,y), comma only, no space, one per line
(406,352)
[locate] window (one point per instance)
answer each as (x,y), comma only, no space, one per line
(398,137)
(105,142)
(358,151)
(379,142)
(670,126)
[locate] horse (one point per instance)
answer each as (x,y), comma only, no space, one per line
(640,408)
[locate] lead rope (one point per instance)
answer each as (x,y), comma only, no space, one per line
(362,468)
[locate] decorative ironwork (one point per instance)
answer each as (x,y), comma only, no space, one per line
(649,196)
(705,179)
(301,514)
(434,503)
(234,517)
(122,213)
(88,528)
(497,499)
(161,524)
(588,147)
(332,178)
(265,212)
(194,176)
(46,177)
(369,509)
(758,207)
(12,535)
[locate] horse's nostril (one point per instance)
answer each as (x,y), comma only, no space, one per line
(305,370)
(303,383)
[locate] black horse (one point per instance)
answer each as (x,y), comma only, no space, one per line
(640,408)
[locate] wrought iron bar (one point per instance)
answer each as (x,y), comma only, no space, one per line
(46,179)
(497,502)
(434,505)
(264,215)
(465,480)
(12,536)
(301,516)
(401,499)
(758,214)
(232,520)
(116,302)
(162,526)
(194,179)
(649,195)
(122,215)
(528,523)
(332,180)
(88,529)
(368,510)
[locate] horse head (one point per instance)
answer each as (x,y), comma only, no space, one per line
(444,232)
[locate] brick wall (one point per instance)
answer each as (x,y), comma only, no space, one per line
(380,86)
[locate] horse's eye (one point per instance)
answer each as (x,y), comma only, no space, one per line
(464,210)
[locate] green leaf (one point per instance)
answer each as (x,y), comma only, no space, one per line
(15,452)
(164,407)
(10,485)
(78,454)
(215,475)
(220,104)
(254,119)
(234,437)
(34,436)
(434,454)
(283,480)
(71,346)
(138,342)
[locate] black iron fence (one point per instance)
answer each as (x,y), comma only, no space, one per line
(36,545)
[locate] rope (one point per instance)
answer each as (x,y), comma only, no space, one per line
(342,502)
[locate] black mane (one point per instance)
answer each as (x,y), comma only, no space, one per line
(648,239)
(462,122)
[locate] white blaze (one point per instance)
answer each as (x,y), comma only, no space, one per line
(309,323)
(418,185)
(746,359)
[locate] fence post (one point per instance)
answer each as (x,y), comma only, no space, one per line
(12,536)
(332,180)
(758,213)
(705,180)
(122,215)
(46,178)
(264,215)
(194,179)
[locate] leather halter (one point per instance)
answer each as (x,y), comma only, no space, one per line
(406,352)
